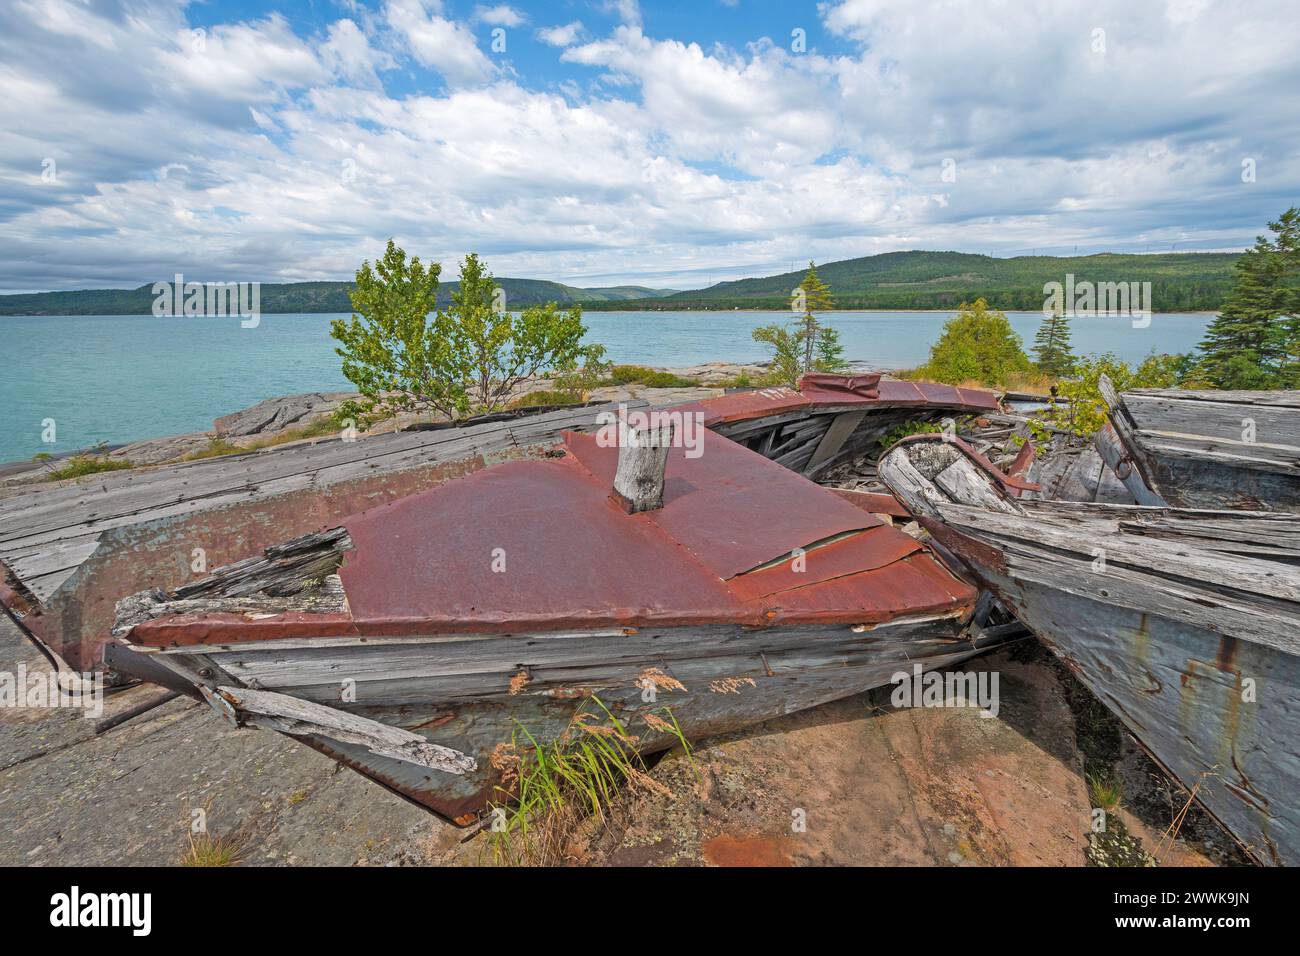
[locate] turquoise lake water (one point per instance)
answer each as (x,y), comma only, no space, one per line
(123,378)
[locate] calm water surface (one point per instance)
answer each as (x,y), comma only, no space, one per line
(122,378)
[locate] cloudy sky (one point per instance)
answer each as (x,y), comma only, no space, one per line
(601,141)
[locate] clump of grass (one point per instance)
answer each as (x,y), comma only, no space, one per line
(325,425)
(208,850)
(1105,792)
(546,396)
(549,790)
(216,448)
(41,456)
(740,380)
(649,377)
(79,465)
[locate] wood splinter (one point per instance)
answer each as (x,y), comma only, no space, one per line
(642,459)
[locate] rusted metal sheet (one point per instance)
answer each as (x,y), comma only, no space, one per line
(742,406)
(874,502)
(563,554)
(916,585)
(539,545)
(730,507)
(821,387)
(868,551)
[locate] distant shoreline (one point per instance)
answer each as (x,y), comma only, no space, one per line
(585,308)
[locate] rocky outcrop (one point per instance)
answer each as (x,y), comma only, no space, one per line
(276,414)
(719,373)
(153,451)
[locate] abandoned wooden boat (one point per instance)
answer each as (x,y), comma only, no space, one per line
(1185,623)
(1208,449)
(68,553)
(416,639)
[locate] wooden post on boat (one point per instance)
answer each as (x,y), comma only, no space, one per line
(642,459)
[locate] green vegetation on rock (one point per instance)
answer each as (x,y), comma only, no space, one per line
(400,349)
(977,345)
(79,465)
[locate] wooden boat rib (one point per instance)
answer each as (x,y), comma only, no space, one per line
(1185,623)
(1209,449)
(393,643)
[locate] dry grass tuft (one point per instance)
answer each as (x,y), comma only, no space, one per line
(207,850)
(551,792)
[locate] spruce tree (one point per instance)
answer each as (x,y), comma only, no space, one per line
(830,354)
(1254,342)
(816,296)
(1052,345)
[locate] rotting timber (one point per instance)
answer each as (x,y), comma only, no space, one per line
(1207,449)
(1185,623)
(831,419)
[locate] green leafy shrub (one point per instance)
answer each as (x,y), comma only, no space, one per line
(1085,411)
(580,374)
(787,354)
(399,349)
(977,345)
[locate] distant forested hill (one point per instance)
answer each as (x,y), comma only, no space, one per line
(304,297)
(1180,282)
